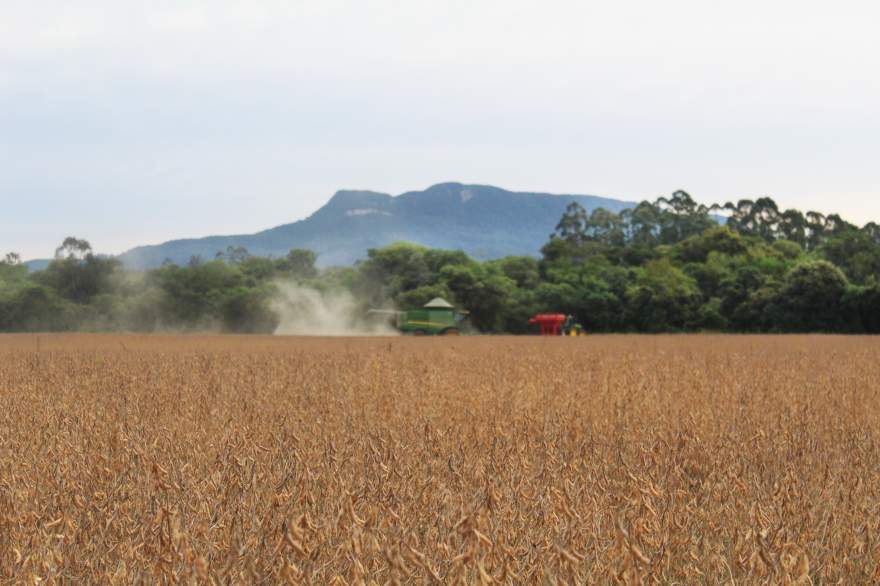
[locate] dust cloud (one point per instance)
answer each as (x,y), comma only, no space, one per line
(308,312)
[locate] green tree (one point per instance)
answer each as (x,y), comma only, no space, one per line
(862,303)
(718,239)
(521,305)
(811,298)
(872,231)
(711,274)
(194,296)
(855,253)
(33,308)
(12,272)
(234,254)
(711,317)
(247,311)
(257,270)
(793,227)
(73,247)
(481,291)
(680,217)
(77,274)
(572,227)
(525,271)
(392,270)
(436,259)
(662,297)
(605,227)
(298,264)
(597,307)
(642,224)
(758,311)
(788,249)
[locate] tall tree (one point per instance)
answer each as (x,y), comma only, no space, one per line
(793,227)
(681,217)
(77,274)
(74,248)
(642,224)
(605,227)
(572,227)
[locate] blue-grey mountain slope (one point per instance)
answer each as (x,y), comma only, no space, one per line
(38,264)
(484,221)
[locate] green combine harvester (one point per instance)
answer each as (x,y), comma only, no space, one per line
(438,317)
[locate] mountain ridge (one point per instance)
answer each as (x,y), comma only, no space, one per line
(483,220)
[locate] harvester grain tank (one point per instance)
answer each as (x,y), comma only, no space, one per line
(438,317)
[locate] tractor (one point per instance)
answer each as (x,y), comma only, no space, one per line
(438,317)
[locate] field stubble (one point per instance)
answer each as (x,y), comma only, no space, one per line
(699,459)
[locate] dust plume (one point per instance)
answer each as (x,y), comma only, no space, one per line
(304,311)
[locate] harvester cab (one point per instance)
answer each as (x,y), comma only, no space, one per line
(557,324)
(438,317)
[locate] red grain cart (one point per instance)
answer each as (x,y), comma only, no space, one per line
(556,324)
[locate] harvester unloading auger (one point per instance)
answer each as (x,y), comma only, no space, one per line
(438,317)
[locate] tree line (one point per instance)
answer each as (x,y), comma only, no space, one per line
(667,265)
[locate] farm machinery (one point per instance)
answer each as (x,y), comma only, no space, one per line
(438,317)
(557,324)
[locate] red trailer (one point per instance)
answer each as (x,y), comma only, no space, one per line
(556,324)
(550,323)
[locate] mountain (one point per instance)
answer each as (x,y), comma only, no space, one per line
(484,221)
(38,264)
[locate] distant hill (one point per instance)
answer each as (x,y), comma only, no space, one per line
(38,264)
(484,221)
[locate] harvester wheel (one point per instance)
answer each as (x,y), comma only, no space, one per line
(419,333)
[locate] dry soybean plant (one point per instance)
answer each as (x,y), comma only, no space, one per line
(598,460)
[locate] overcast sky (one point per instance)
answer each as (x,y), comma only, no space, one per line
(136,122)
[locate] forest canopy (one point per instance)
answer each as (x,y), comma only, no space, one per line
(671,265)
